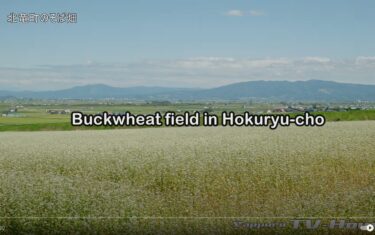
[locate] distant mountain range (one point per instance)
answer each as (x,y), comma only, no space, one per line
(312,90)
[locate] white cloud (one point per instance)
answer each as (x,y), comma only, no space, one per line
(317,59)
(244,13)
(227,62)
(190,72)
(235,13)
(365,61)
(256,13)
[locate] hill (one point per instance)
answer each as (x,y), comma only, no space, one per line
(312,90)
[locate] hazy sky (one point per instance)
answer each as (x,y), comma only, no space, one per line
(184,43)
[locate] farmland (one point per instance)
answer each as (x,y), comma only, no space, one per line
(34,116)
(184,180)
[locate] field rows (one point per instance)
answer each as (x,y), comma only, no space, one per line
(188,172)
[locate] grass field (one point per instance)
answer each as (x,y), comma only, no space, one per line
(36,119)
(199,175)
(33,117)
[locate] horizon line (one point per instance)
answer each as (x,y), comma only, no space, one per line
(186,88)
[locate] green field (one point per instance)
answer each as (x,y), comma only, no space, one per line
(33,117)
(184,180)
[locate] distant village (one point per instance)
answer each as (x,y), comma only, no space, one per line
(58,111)
(12,112)
(212,108)
(319,108)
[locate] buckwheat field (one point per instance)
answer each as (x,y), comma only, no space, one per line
(192,179)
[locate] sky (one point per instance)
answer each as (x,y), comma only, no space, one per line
(187,43)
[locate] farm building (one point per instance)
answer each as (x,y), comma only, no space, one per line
(58,111)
